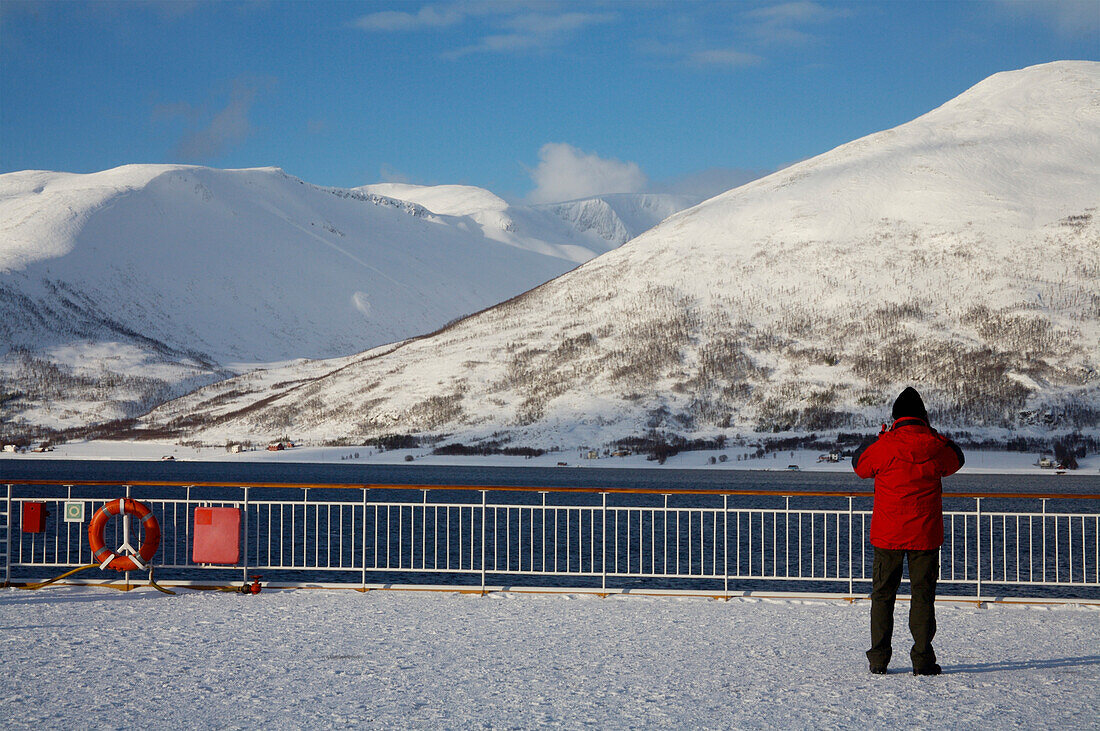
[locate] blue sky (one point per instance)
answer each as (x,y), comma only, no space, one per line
(535,100)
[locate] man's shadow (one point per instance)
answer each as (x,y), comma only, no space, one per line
(1007,665)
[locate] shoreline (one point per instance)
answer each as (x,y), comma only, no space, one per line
(799,460)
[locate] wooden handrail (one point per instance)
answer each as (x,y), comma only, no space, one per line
(514,488)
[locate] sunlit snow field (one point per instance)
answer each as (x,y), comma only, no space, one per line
(79,657)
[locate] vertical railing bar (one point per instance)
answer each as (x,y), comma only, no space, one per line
(677,549)
(1018,543)
(952,547)
(484,501)
(992,549)
(627,540)
(401,536)
(1096,537)
(569,540)
(726,544)
(787,536)
(1044,531)
(714,546)
(702,544)
(1031,548)
(748,537)
(851,572)
(424,533)
(775,543)
(603,549)
(836,545)
(244,567)
(813,542)
(591,541)
(7,544)
(1004,546)
(270,510)
(862,545)
(316,534)
(738,544)
(1057,553)
(556,518)
(978,547)
(374,545)
(1069,539)
(364,540)
(679,514)
(664,541)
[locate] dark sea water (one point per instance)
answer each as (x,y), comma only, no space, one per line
(590,478)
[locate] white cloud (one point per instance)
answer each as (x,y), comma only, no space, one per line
(214,130)
(533,31)
(728,57)
(566,173)
(775,24)
(396,20)
(1071,18)
(792,12)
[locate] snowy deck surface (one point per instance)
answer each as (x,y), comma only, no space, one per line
(94,658)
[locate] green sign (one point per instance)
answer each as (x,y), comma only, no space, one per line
(74,512)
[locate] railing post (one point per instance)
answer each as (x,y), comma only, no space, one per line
(851,528)
(603,550)
(1044,554)
(726,545)
(187,513)
(978,549)
(7,539)
(363,549)
(244,553)
(484,513)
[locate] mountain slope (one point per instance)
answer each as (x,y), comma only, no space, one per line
(959,252)
(575,230)
(122,288)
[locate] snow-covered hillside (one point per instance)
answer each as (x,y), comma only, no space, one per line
(123,288)
(575,230)
(959,252)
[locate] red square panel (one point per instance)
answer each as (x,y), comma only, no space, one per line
(34,517)
(217,536)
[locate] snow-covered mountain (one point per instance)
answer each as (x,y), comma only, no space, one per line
(123,288)
(959,252)
(575,230)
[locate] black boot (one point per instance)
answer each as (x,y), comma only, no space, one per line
(932,669)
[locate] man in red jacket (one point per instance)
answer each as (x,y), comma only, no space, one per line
(907,463)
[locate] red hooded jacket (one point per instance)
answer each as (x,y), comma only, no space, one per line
(907,463)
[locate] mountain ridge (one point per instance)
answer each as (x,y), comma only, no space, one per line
(122,288)
(957,252)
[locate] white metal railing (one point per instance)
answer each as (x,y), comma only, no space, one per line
(712,540)
(5,534)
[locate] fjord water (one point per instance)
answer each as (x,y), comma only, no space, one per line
(673,480)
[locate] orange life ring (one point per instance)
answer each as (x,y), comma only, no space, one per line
(149,544)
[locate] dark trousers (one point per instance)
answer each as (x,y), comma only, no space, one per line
(924,570)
